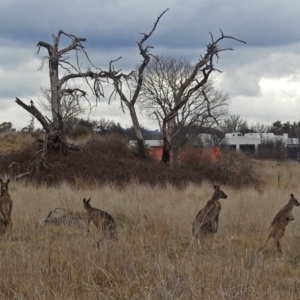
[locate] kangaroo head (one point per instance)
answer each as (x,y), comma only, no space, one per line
(219,193)
(4,187)
(294,200)
(86,203)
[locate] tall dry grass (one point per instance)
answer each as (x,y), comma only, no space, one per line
(155,256)
(14,141)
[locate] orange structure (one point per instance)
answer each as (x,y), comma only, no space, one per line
(156,152)
(197,152)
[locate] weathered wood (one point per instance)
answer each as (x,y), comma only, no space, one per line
(36,113)
(57,60)
(130,102)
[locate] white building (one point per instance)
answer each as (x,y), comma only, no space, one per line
(238,141)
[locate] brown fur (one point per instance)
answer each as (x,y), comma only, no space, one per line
(6,206)
(101,219)
(280,221)
(207,219)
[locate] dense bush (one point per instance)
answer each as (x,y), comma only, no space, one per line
(233,168)
(80,131)
(109,159)
(271,150)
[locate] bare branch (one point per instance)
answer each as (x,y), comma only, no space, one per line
(145,53)
(111,67)
(146,36)
(45,45)
(76,43)
(73,91)
(208,107)
(36,113)
(205,65)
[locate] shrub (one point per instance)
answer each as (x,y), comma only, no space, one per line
(233,168)
(109,159)
(80,131)
(271,150)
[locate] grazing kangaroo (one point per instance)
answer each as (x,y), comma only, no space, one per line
(280,221)
(102,220)
(207,219)
(5,205)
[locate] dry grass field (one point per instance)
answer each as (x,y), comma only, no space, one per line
(155,256)
(13,141)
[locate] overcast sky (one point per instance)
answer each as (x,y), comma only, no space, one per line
(261,78)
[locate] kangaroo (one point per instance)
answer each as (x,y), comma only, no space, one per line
(280,221)
(207,219)
(6,205)
(102,220)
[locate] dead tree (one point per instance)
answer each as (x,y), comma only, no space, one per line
(124,79)
(57,60)
(191,85)
(59,87)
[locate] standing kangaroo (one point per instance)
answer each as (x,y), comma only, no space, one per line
(6,205)
(207,219)
(280,221)
(102,220)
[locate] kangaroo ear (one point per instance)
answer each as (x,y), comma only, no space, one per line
(292,195)
(8,180)
(1,180)
(84,200)
(216,187)
(89,200)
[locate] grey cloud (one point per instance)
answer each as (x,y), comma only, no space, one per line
(12,57)
(116,23)
(243,69)
(20,79)
(12,113)
(264,110)
(112,29)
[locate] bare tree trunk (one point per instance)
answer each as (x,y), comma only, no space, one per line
(56,95)
(174,157)
(166,154)
(173,149)
(137,130)
(55,91)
